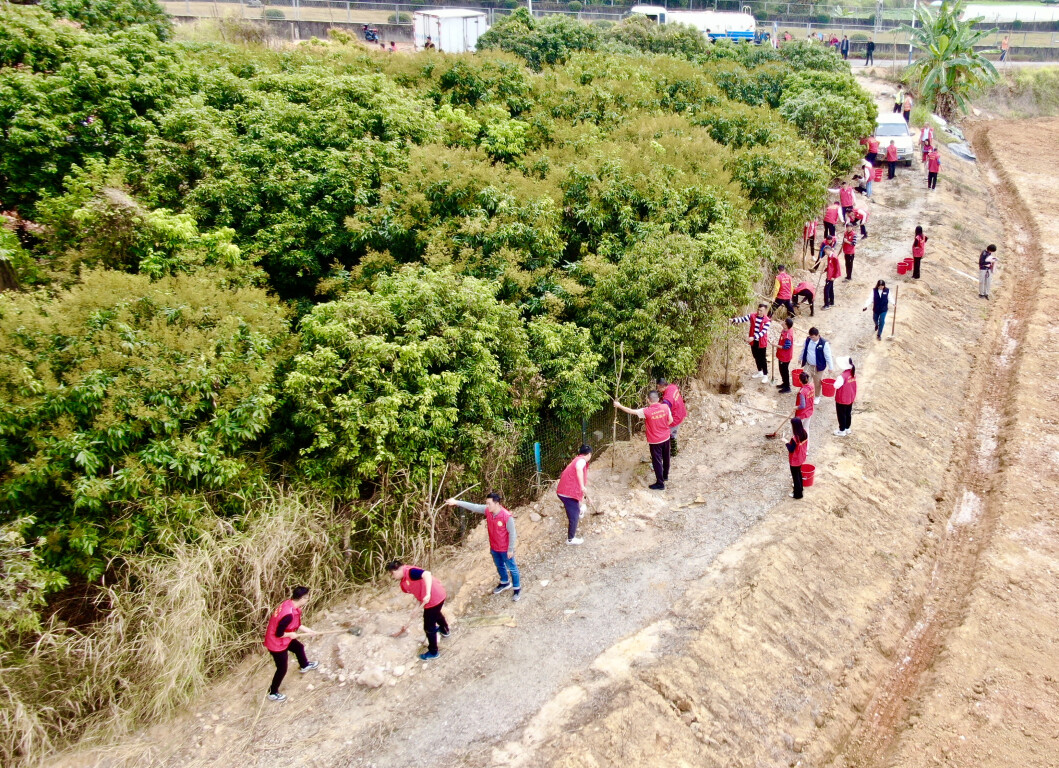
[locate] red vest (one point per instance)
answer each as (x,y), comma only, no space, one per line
(809,230)
(845,197)
(933,162)
(656,423)
(759,325)
(797,456)
(286,608)
(418,589)
(847,393)
(807,392)
(568,485)
(849,242)
(784,355)
(918,246)
(807,287)
(785,286)
(873,144)
(833,267)
(831,214)
(499,536)
(675,401)
(891,154)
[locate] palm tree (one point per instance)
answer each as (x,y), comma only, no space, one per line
(948,68)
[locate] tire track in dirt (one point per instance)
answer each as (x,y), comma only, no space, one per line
(969,503)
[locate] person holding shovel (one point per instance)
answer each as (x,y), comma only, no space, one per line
(500,525)
(845,395)
(782,291)
(430,594)
(672,397)
(808,239)
(797,450)
(281,637)
(657,421)
(573,489)
(831,216)
(805,293)
(758,338)
(834,271)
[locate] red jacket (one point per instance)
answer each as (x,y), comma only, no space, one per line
(418,588)
(804,286)
(807,393)
(286,608)
(675,400)
(873,144)
(568,485)
(656,423)
(809,230)
(784,281)
(845,197)
(833,267)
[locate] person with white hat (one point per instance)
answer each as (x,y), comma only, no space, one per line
(845,394)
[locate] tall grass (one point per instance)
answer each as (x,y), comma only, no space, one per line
(1025,92)
(175,621)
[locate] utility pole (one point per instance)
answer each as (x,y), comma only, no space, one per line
(915,6)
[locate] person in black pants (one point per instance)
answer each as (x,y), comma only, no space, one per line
(281,639)
(869,52)
(797,447)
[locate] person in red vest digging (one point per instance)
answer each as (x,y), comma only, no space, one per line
(758,338)
(429,593)
(501,528)
(805,293)
(657,421)
(281,637)
(782,291)
(573,489)
(784,353)
(672,397)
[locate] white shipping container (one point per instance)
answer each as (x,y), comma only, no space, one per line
(452,30)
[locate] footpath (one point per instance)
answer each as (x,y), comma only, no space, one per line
(716,623)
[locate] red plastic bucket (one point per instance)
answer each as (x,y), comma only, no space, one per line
(902,268)
(795,377)
(878,174)
(827,387)
(808,473)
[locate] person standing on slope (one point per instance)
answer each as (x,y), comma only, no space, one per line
(808,239)
(919,249)
(816,358)
(845,199)
(797,450)
(849,249)
(782,291)
(845,396)
(657,421)
(880,305)
(828,244)
(672,397)
(804,405)
(430,594)
(831,216)
(891,160)
(759,339)
(933,168)
(573,490)
(834,271)
(986,265)
(281,637)
(784,353)
(500,525)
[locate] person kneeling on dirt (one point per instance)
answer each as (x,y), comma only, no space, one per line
(657,421)
(501,527)
(430,594)
(281,637)
(805,292)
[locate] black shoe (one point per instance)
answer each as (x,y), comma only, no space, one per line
(665,479)
(657,486)
(444,632)
(784,390)
(501,587)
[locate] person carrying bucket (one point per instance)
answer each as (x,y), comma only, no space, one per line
(880,305)
(573,489)
(657,420)
(784,353)
(797,449)
(845,395)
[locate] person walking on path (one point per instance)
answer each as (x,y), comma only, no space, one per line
(849,249)
(784,353)
(758,338)
(906,108)
(573,489)
(845,199)
(281,637)
(926,137)
(891,160)
(657,421)
(782,291)
(859,216)
(805,292)
(933,167)
(986,265)
(797,449)
(816,358)
(845,47)
(919,248)
(831,216)
(833,272)
(672,396)
(880,305)
(804,403)
(845,395)
(500,525)
(1005,46)
(869,53)
(808,239)
(430,594)
(899,100)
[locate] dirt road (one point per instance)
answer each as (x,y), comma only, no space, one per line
(719,623)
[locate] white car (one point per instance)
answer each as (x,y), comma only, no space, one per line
(892,127)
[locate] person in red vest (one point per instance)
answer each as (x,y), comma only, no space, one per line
(873,150)
(672,397)
(933,167)
(845,199)
(919,249)
(805,292)
(859,216)
(281,637)
(845,395)
(784,353)
(500,526)
(804,404)
(429,593)
(831,216)
(798,449)
(891,160)
(849,249)
(833,272)
(573,489)
(759,339)
(828,242)
(657,421)
(808,239)
(782,291)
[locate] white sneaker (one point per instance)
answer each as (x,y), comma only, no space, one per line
(277,697)
(846,433)
(309,667)
(839,432)
(816,400)
(764,379)
(575,540)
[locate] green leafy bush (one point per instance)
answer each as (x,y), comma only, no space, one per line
(399,18)
(275,14)
(785,185)
(550,40)
(112,15)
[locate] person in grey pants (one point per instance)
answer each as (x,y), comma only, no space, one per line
(986,264)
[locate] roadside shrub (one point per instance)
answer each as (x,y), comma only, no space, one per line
(399,18)
(550,40)
(785,185)
(112,15)
(833,123)
(575,6)
(275,14)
